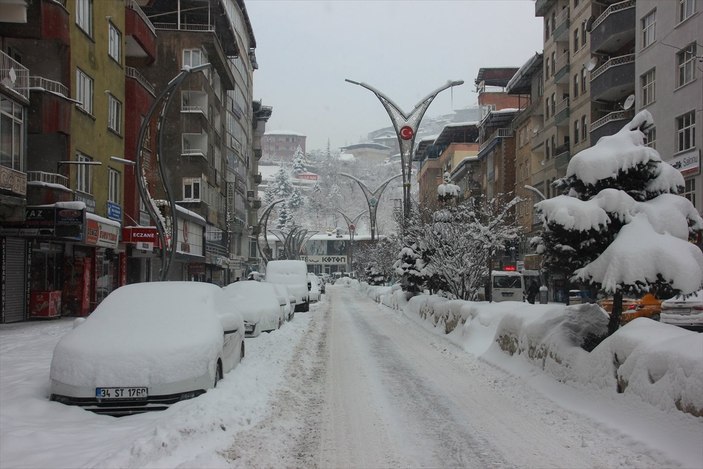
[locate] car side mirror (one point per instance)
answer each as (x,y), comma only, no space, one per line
(230,322)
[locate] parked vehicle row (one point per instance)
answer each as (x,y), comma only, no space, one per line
(149,345)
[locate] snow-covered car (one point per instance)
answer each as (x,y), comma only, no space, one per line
(646,306)
(286,300)
(294,275)
(684,311)
(257,302)
(315,287)
(146,346)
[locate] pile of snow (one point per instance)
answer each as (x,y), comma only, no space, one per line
(659,363)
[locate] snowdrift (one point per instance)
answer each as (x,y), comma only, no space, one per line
(659,363)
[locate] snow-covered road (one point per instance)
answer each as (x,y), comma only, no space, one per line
(349,384)
(380,392)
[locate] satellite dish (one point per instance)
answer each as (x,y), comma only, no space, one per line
(592,64)
(629,102)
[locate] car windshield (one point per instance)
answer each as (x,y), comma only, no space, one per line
(507,282)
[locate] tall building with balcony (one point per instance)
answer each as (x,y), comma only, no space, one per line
(612,65)
(208,151)
(280,145)
(669,84)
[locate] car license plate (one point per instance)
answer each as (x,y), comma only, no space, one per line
(122,393)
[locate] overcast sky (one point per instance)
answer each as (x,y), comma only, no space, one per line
(406,49)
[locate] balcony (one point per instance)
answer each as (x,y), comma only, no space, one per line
(194,145)
(258,178)
(542,6)
(14,77)
(140,37)
(610,124)
(561,68)
(47,188)
(50,107)
(194,101)
(561,157)
(134,74)
(615,28)
(614,80)
(256,203)
(561,26)
(498,134)
(13,181)
(46,19)
(561,115)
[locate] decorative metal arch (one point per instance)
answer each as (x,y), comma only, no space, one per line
(162,223)
(266,252)
(412,120)
(352,231)
(372,198)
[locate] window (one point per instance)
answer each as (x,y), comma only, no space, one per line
(546,107)
(114,48)
(686,9)
(686,61)
(686,131)
(113,187)
(84,174)
(584,75)
(584,26)
(553,104)
(689,190)
(650,137)
(11,134)
(584,128)
(191,189)
(546,29)
(647,82)
(554,62)
(576,85)
(576,39)
(84,16)
(649,28)
(84,91)
(114,116)
(546,69)
(193,57)
(577,132)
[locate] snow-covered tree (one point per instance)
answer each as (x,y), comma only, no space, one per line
(296,200)
(620,225)
(282,186)
(299,161)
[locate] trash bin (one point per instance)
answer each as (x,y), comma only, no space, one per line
(543,295)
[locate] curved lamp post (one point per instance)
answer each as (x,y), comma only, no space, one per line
(372,198)
(162,100)
(351,226)
(406,126)
(266,252)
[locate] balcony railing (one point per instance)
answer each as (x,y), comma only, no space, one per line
(613,116)
(132,72)
(47,178)
(499,133)
(185,27)
(615,7)
(14,76)
(614,62)
(134,6)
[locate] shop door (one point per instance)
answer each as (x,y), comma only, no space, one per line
(14,280)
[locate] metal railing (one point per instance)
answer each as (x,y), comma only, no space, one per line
(185,27)
(612,9)
(613,116)
(133,5)
(37,83)
(499,133)
(13,75)
(614,62)
(132,72)
(47,178)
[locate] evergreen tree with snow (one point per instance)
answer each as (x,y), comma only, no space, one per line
(299,161)
(296,200)
(620,225)
(282,186)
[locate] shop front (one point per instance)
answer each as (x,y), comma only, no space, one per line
(142,246)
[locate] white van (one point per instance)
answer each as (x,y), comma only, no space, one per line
(507,285)
(294,275)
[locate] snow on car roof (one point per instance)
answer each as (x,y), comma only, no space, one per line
(143,333)
(252,298)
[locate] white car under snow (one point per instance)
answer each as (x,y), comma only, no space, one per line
(258,304)
(146,346)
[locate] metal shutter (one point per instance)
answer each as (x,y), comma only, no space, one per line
(14,299)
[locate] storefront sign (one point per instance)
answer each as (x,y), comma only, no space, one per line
(101,232)
(114,211)
(688,163)
(190,237)
(329,260)
(141,236)
(13,181)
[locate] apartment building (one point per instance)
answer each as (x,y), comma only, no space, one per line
(669,84)
(281,145)
(78,79)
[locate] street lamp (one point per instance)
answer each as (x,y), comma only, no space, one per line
(351,226)
(406,127)
(372,198)
(162,100)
